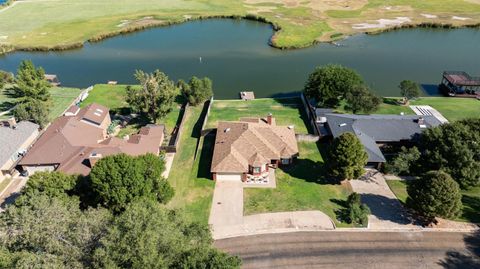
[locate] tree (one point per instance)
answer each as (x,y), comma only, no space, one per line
(346,157)
(147,235)
(32,110)
(48,232)
(53,184)
(30,83)
(120,179)
(5,78)
(455,149)
(403,163)
(361,99)
(197,90)
(436,194)
(155,97)
(409,90)
(329,84)
(356,211)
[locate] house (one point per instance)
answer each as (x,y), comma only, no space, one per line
(15,140)
(246,149)
(76,141)
(378,132)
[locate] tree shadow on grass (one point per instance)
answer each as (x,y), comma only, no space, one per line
(470,258)
(206,156)
(390,101)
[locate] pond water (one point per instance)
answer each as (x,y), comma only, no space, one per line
(235,55)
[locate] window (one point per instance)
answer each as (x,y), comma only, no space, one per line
(256,170)
(285,161)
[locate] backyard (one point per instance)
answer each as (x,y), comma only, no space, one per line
(66,23)
(62,98)
(287,111)
(113,97)
(470,200)
(300,187)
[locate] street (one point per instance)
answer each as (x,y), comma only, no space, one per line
(356,250)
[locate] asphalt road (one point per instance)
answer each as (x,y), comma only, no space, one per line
(356,250)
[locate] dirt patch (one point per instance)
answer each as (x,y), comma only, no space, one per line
(382,23)
(473,1)
(318,5)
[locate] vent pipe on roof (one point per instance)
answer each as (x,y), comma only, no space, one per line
(227,130)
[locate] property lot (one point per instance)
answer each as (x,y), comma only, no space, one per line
(287,111)
(62,98)
(300,187)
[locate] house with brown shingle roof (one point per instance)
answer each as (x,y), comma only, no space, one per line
(248,148)
(74,142)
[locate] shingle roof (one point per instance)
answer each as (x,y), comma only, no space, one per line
(371,129)
(12,139)
(240,144)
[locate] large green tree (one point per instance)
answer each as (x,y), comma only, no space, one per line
(329,84)
(346,157)
(120,179)
(409,90)
(455,149)
(435,194)
(156,95)
(30,83)
(53,184)
(197,90)
(48,232)
(147,235)
(33,110)
(361,99)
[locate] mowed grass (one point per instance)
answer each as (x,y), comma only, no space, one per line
(470,200)
(451,108)
(113,97)
(62,23)
(287,111)
(61,99)
(300,187)
(190,177)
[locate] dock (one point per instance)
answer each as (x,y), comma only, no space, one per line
(460,84)
(247,96)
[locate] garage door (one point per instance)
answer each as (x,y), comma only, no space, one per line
(229,177)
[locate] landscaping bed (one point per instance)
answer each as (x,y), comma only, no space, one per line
(300,187)
(287,111)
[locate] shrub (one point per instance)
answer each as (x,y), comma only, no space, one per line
(346,157)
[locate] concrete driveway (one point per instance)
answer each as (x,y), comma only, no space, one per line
(387,211)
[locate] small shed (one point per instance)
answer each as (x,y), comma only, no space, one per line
(247,96)
(52,79)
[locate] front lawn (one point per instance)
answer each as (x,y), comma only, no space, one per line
(113,97)
(300,187)
(287,111)
(470,200)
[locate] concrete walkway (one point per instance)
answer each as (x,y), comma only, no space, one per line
(429,111)
(12,191)
(168,164)
(387,211)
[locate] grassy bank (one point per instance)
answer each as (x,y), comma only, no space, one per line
(300,187)
(65,24)
(61,100)
(288,111)
(470,200)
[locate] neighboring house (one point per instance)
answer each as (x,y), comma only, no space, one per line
(76,141)
(15,140)
(376,132)
(246,149)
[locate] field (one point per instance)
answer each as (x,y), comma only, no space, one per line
(451,108)
(66,23)
(288,111)
(61,100)
(470,200)
(113,97)
(300,187)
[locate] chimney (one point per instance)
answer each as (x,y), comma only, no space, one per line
(269,118)
(93,158)
(421,122)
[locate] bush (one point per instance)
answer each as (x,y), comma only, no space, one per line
(33,110)
(357,213)
(404,162)
(436,194)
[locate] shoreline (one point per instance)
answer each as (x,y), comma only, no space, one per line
(5,49)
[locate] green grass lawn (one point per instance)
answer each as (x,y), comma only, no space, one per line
(113,97)
(300,23)
(191,177)
(61,100)
(300,187)
(451,108)
(288,111)
(470,200)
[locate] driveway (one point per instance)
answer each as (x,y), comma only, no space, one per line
(227,204)
(387,211)
(9,195)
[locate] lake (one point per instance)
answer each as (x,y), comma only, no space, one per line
(236,56)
